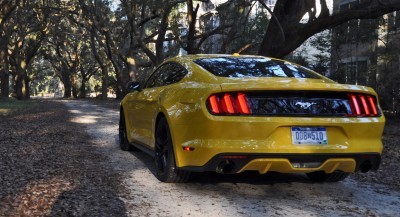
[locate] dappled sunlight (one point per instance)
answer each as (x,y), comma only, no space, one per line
(4,111)
(36,197)
(191,200)
(74,111)
(85,119)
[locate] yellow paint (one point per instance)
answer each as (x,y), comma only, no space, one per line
(284,166)
(191,125)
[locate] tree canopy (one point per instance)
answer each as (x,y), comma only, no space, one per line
(117,41)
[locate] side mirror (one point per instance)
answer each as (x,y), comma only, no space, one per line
(133,86)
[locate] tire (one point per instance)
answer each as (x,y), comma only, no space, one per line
(164,161)
(321,176)
(123,139)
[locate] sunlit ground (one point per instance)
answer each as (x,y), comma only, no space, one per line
(4,111)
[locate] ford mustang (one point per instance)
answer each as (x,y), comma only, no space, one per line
(236,113)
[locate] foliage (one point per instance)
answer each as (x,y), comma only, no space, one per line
(247,30)
(88,43)
(322,58)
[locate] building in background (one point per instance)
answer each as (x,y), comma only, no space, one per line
(354,48)
(366,52)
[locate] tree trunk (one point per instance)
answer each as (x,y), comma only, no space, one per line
(4,73)
(68,90)
(104,81)
(162,30)
(27,87)
(74,92)
(67,87)
(191,19)
(21,86)
(5,84)
(126,75)
(373,72)
(104,71)
(82,93)
(74,87)
(120,88)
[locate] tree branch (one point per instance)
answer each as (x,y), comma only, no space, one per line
(298,32)
(215,31)
(275,19)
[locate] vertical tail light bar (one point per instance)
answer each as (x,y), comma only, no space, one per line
(243,104)
(229,104)
(373,105)
(214,104)
(355,104)
(363,105)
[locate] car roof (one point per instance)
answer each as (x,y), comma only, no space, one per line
(192,57)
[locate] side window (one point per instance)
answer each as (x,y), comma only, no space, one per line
(166,74)
(155,79)
(150,81)
(175,73)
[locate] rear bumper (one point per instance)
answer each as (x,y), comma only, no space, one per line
(271,138)
(289,163)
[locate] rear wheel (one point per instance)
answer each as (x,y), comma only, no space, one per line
(321,176)
(166,170)
(123,139)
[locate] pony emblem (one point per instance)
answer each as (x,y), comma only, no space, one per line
(305,105)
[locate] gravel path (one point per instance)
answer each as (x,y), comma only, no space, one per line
(49,166)
(226,195)
(61,158)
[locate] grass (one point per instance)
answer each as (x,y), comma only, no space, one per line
(10,106)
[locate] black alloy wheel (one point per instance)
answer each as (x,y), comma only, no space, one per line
(166,170)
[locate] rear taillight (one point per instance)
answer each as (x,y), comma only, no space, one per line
(363,105)
(229,104)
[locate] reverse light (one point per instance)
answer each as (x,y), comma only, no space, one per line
(306,165)
(229,104)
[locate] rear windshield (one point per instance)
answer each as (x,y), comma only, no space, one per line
(237,67)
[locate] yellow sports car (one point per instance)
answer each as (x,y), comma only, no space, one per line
(234,113)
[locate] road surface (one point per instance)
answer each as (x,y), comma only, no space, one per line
(212,194)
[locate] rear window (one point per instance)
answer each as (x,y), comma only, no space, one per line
(237,67)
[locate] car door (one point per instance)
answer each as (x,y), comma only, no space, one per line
(142,105)
(148,100)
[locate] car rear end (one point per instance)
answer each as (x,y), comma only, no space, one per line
(284,125)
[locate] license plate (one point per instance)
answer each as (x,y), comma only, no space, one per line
(309,136)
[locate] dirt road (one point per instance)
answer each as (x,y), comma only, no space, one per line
(223,195)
